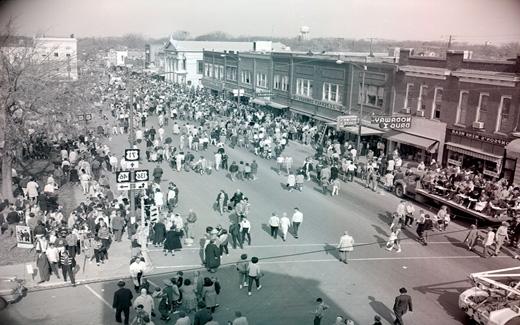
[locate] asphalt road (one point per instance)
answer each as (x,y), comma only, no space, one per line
(298,270)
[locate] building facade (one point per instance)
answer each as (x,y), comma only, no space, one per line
(60,54)
(183,60)
(477,101)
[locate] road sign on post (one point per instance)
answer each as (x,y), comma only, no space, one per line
(131,154)
(122,177)
(141,175)
(347,120)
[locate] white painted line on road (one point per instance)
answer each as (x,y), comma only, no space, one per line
(98,296)
(352,259)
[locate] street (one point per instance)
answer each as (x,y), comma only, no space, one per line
(296,271)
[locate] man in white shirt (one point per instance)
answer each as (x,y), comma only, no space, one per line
(245,229)
(53,256)
(297,219)
(274,223)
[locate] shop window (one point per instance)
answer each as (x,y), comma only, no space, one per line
(437,103)
(503,123)
(463,108)
(482,111)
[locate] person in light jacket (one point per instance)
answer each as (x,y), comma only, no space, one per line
(345,246)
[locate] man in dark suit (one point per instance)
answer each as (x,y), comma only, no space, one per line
(122,302)
(402,304)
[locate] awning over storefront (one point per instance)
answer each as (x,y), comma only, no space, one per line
(469,151)
(258,101)
(276,105)
(513,146)
(430,145)
(364,130)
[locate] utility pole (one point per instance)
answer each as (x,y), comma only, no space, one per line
(449,42)
(131,138)
(238,80)
(371,52)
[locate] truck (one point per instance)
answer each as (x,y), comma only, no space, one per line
(494,298)
(408,184)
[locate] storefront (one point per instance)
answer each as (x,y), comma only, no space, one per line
(423,141)
(476,151)
(511,164)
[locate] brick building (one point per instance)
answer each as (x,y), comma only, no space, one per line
(477,103)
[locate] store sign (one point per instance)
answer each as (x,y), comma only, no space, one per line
(392,122)
(454,162)
(479,137)
(320,103)
(490,173)
(347,120)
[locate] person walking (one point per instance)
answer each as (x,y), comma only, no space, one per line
(402,304)
(489,240)
(136,272)
(471,237)
(122,302)
(145,300)
(297,219)
(345,247)
(254,274)
(245,230)
(118,224)
(239,319)
(236,238)
(319,312)
(274,223)
(285,223)
(159,233)
(210,292)
(393,241)
(501,237)
(222,201)
(172,240)
(242,271)
(67,267)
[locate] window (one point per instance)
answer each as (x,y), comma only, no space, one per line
(463,108)
(482,109)
(261,80)
(331,92)
(277,82)
(437,103)
(374,95)
(245,76)
(407,97)
(200,66)
(56,54)
(304,87)
(206,69)
(421,100)
(221,72)
(231,73)
(285,83)
(215,71)
(184,64)
(68,55)
(281,82)
(504,113)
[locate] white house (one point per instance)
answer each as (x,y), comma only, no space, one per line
(183,60)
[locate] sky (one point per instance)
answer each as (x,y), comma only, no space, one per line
(475,21)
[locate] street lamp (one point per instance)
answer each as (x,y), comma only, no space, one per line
(364,68)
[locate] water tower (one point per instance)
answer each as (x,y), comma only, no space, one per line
(304,33)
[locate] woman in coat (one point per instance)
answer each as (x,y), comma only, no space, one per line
(159,231)
(212,256)
(172,241)
(189,296)
(210,292)
(345,247)
(43,267)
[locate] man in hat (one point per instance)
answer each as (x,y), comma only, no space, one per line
(345,247)
(122,302)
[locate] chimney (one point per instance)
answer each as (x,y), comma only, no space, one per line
(454,59)
(404,55)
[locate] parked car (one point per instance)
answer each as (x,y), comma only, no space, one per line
(11,290)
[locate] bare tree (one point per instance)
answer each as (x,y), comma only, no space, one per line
(32,98)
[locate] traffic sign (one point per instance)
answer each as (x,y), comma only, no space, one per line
(131,154)
(140,185)
(141,175)
(122,177)
(131,164)
(123,187)
(347,120)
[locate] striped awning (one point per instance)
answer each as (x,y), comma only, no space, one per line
(473,152)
